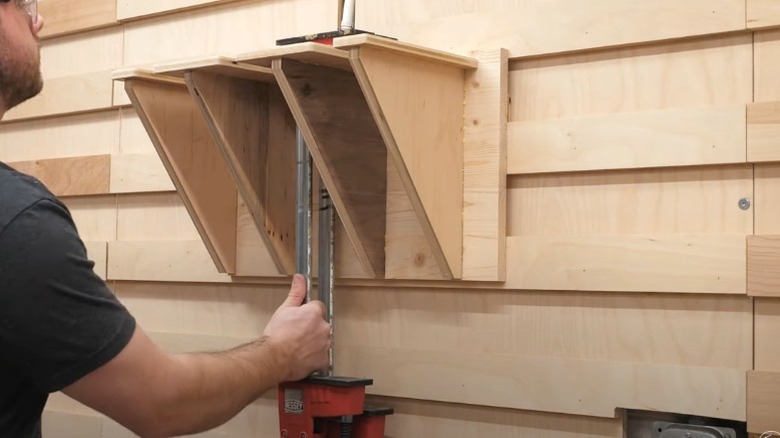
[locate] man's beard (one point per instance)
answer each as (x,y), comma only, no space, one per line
(20,73)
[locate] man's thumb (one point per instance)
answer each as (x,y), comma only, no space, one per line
(297,293)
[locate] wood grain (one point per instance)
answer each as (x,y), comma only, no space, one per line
(767,323)
(73,16)
(763,132)
(767,49)
(675,264)
(136,9)
(76,176)
(767,190)
(418,108)
(763,398)
(524,28)
(185,146)
(67,95)
(332,114)
(255,133)
(665,138)
(485,168)
(179,261)
(762,13)
(763,256)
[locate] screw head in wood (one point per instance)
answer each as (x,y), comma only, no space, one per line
(744,203)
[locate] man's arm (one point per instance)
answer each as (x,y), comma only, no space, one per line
(156,394)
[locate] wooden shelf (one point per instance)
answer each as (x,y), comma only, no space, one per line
(384,122)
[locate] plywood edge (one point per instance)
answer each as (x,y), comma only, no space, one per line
(307,52)
(367,40)
(485,168)
(221,65)
(71,176)
(675,264)
(665,138)
(763,401)
(447,269)
(547,384)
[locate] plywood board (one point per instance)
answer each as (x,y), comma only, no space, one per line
(60,137)
(76,176)
(134,173)
(332,114)
(70,425)
(485,168)
(677,264)
(589,326)
(153,217)
(546,384)
(763,131)
(98,253)
(162,261)
(134,9)
(763,399)
(767,190)
(524,27)
(634,79)
(676,137)
(226,29)
(255,133)
(767,49)
(418,106)
(252,256)
(307,52)
(762,13)
(697,200)
(95,217)
(82,53)
(767,324)
(67,95)
(185,146)
(390,45)
(76,16)
(763,256)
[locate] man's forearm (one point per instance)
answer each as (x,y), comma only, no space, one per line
(206,390)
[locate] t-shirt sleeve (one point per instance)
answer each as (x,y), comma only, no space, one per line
(58,320)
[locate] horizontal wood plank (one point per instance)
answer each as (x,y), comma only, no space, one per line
(547,384)
(763,401)
(684,264)
(71,425)
(678,137)
(72,16)
(162,261)
(98,253)
(135,9)
(762,13)
(75,176)
(524,27)
(763,132)
(134,173)
(66,95)
(763,258)
(767,325)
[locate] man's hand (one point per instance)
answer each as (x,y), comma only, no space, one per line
(299,333)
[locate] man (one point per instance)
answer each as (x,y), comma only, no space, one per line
(62,330)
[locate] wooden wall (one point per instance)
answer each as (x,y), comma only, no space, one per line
(635,130)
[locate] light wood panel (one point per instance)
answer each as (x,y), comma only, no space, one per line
(547,384)
(81,53)
(74,176)
(763,131)
(676,137)
(408,96)
(98,253)
(665,329)
(60,137)
(65,95)
(767,324)
(183,142)
(485,168)
(763,256)
(64,17)
(677,264)
(133,173)
(634,79)
(767,191)
(763,400)
(255,133)
(153,216)
(252,256)
(134,9)
(525,27)
(767,49)
(229,29)
(186,261)
(762,13)
(70,425)
(95,217)
(690,201)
